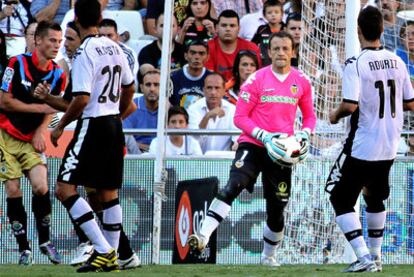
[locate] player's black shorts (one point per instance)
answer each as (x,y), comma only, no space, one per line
(252,159)
(94,157)
(350,175)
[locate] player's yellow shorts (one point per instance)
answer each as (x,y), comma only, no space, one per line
(16,157)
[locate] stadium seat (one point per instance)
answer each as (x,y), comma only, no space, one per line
(130,20)
(15,46)
(138,44)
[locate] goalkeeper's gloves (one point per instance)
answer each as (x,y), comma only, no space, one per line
(275,151)
(303,137)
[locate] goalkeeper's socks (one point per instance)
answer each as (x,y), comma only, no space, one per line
(351,227)
(271,241)
(376,225)
(18,220)
(217,211)
(82,214)
(112,222)
(42,208)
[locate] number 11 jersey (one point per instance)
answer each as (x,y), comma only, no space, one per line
(99,70)
(378,82)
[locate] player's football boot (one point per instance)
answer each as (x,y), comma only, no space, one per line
(362,266)
(26,258)
(101,262)
(130,263)
(378,262)
(197,242)
(83,253)
(50,251)
(269,261)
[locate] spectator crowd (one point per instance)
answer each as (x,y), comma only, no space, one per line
(216,45)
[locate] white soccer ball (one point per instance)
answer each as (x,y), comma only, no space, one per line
(291,148)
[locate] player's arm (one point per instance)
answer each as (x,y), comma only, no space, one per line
(38,140)
(73,112)
(42,91)
(409,106)
(126,104)
(345,108)
(350,92)
(10,104)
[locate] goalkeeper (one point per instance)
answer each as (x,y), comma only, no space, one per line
(265,111)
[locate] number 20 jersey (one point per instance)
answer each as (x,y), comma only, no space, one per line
(377,80)
(99,70)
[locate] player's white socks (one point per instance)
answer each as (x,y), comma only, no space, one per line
(82,213)
(217,211)
(376,225)
(351,227)
(112,222)
(271,241)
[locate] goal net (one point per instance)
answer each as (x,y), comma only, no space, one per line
(311,228)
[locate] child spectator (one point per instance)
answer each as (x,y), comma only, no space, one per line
(273,13)
(178,144)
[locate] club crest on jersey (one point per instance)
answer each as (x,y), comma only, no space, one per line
(245,96)
(294,89)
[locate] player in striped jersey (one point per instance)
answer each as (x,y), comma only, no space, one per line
(376,90)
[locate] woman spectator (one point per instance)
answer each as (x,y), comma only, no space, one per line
(198,24)
(245,64)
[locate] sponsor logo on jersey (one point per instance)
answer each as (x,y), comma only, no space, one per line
(184,225)
(294,89)
(26,83)
(245,96)
(278,99)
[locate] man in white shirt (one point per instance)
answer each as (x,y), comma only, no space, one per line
(212,112)
(177,145)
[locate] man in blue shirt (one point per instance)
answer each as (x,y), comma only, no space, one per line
(188,82)
(145,117)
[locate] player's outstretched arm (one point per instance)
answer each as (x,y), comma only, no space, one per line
(42,91)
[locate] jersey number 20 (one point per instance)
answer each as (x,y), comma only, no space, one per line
(380,86)
(110,83)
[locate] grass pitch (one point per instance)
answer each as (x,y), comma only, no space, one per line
(205,270)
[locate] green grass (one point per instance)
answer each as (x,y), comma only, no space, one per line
(205,270)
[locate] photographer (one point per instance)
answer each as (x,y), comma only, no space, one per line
(14,17)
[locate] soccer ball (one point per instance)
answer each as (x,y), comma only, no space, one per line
(290,148)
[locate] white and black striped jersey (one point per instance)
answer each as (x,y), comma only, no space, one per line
(99,70)
(377,80)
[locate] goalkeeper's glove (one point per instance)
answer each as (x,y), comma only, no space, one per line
(303,137)
(275,151)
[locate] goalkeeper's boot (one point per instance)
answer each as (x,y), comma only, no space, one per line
(365,264)
(101,262)
(50,251)
(269,261)
(378,262)
(83,253)
(130,263)
(197,242)
(26,258)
